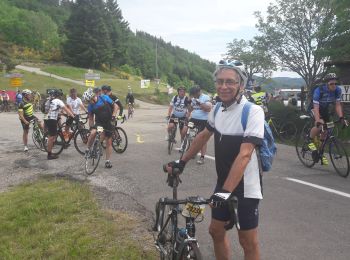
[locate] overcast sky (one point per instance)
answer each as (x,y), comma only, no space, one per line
(201,26)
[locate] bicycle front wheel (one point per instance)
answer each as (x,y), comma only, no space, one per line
(166,239)
(171,140)
(58,144)
(287,132)
(93,158)
(302,149)
(80,140)
(38,139)
(120,140)
(191,251)
(339,157)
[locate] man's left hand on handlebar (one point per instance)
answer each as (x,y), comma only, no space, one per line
(176,167)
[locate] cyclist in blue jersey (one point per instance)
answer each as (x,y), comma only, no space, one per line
(101,114)
(200,108)
(325,95)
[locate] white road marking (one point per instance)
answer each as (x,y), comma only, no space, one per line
(347,195)
(139,139)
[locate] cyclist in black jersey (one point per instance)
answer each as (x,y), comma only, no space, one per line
(26,114)
(236,161)
(107,90)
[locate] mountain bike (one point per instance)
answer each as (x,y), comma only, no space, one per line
(174,242)
(191,133)
(38,135)
(92,158)
(335,148)
(119,138)
(284,131)
(130,110)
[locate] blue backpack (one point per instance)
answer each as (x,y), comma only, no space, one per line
(268,149)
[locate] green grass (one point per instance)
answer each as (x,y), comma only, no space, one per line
(58,219)
(40,83)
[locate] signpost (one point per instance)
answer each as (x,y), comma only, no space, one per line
(90,78)
(145,83)
(345,93)
(15,79)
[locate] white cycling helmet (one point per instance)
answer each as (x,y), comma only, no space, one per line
(26,92)
(88,94)
(233,65)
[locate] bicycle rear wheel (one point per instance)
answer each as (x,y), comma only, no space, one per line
(339,158)
(302,149)
(120,140)
(93,158)
(191,251)
(58,144)
(80,140)
(287,131)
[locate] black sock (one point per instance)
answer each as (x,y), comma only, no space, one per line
(49,153)
(202,156)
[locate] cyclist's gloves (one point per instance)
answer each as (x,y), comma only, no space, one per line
(219,198)
(113,118)
(318,124)
(176,166)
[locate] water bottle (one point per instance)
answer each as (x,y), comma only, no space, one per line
(181,235)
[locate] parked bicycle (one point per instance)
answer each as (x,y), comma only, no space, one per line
(93,157)
(335,148)
(285,131)
(174,242)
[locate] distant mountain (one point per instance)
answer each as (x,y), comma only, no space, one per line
(280,82)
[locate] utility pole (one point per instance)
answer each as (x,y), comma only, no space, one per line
(156,59)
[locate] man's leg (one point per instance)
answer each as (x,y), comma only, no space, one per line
(249,242)
(220,238)
(108,151)
(25,137)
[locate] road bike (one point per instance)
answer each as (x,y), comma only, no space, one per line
(38,135)
(93,156)
(119,137)
(335,148)
(174,242)
(172,132)
(130,110)
(191,133)
(78,133)
(285,131)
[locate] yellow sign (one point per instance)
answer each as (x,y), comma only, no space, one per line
(90,83)
(16,82)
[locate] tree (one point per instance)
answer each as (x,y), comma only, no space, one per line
(5,56)
(256,58)
(294,32)
(88,43)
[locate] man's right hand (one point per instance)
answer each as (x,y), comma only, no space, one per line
(176,167)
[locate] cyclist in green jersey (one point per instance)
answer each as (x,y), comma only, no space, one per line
(26,114)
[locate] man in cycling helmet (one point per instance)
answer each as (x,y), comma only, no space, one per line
(324,96)
(26,114)
(107,90)
(200,107)
(130,97)
(178,108)
(101,114)
(53,106)
(236,161)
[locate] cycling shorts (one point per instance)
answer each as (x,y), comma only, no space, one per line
(24,126)
(107,127)
(248,213)
(51,126)
(324,114)
(199,124)
(181,122)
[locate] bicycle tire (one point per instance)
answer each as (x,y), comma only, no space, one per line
(287,131)
(301,147)
(191,251)
(120,143)
(38,139)
(58,145)
(94,157)
(80,140)
(168,237)
(336,152)
(171,140)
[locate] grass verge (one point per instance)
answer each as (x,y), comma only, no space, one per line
(59,219)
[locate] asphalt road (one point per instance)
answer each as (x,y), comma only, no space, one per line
(297,221)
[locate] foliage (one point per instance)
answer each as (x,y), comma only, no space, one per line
(256,58)
(6,56)
(294,32)
(61,220)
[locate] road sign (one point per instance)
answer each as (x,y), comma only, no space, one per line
(92,76)
(16,82)
(345,93)
(90,83)
(14,75)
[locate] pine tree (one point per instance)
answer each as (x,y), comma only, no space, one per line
(88,43)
